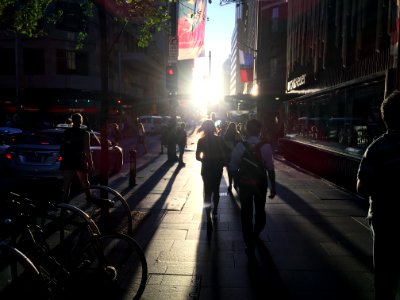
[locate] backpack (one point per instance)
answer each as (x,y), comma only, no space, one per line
(252,172)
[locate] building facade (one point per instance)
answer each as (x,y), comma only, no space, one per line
(341,61)
(51,77)
(322,69)
(258,62)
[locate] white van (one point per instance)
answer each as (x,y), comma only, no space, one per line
(151,124)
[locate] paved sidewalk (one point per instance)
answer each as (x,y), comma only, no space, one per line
(316,244)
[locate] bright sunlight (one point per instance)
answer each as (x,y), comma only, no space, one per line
(206,90)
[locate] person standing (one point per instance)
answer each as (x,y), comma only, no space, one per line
(115,134)
(163,138)
(171,141)
(141,137)
(377,180)
(231,138)
(77,160)
(252,193)
(181,141)
(209,153)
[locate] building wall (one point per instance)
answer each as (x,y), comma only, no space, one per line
(51,67)
(271,50)
(332,42)
(340,64)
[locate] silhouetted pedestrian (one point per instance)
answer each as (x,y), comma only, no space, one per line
(77,160)
(253,160)
(171,141)
(141,137)
(163,138)
(209,152)
(378,180)
(115,135)
(181,137)
(231,138)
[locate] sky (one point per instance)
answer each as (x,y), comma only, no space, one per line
(219,28)
(218,34)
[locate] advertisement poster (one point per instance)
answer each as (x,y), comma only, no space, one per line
(191,28)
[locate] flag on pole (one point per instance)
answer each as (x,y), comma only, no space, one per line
(191,28)
(246,62)
(246,75)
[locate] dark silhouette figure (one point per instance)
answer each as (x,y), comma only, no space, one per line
(378,180)
(141,137)
(212,161)
(163,138)
(231,138)
(253,194)
(115,134)
(181,137)
(76,156)
(171,141)
(77,161)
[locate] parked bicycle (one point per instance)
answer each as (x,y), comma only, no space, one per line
(61,250)
(102,215)
(19,277)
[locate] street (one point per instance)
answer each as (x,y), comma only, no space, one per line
(316,244)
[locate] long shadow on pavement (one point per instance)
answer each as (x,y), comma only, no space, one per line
(264,278)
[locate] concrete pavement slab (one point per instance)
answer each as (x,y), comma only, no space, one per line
(316,244)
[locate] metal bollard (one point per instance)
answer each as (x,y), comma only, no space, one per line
(132,168)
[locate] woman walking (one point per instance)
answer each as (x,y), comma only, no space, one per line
(231,138)
(141,137)
(209,152)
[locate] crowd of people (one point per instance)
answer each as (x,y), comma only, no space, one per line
(231,146)
(219,147)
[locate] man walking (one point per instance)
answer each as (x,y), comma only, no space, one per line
(77,160)
(181,136)
(378,180)
(252,160)
(171,141)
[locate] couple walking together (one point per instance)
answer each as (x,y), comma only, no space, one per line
(214,154)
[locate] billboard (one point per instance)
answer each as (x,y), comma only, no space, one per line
(191,28)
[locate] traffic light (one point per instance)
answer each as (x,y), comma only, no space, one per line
(171,79)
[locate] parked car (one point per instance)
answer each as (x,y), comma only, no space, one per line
(37,155)
(8,136)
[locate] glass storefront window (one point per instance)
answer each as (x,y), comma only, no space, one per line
(340,119)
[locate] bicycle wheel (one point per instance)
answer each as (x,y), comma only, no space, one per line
(19,278)
(119,218)
(117,268)
(66,233)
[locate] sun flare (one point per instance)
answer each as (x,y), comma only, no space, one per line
(206,88)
